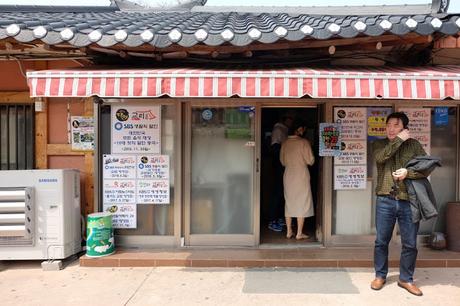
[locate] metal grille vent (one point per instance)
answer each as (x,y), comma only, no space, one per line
(16,216)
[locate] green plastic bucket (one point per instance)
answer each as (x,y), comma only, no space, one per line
(99,241)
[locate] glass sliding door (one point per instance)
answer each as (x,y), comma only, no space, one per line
(155,223)
(222,166)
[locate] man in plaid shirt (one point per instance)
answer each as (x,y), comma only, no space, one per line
(391,155)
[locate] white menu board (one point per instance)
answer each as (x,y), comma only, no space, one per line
(154,167)
(136,129)
(119,191)
(354,153)
(153,191)
(119,166)
(350,177)
(350,167)
(352,119)
(123,215)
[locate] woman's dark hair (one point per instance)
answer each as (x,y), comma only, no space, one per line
(401,116)
(295,125)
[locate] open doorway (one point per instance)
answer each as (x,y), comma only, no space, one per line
(272,206)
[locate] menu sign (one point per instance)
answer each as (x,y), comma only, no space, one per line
(153,192)
(119,191)
(353,152)
(350,167)
(136,129)
(119,166)
(153,167)
(123,215)
(350,177)
(352,120)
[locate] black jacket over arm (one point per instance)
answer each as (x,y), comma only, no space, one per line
(421,197)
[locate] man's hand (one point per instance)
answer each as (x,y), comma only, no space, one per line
(404,134)
(400,174)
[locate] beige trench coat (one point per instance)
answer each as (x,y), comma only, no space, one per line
(296,154)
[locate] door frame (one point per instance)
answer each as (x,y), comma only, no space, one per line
(251,239)
(293,104)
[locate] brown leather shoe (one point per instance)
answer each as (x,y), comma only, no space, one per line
(378,283)
(411,288)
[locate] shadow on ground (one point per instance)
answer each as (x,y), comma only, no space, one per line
(298,280)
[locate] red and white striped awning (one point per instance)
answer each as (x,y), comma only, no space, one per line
(357,83)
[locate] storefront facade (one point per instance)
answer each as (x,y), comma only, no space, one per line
(181,149)
(214,146)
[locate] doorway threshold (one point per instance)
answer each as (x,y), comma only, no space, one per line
(324,257)
(287,246)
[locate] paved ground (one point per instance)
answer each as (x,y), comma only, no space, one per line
(26,284)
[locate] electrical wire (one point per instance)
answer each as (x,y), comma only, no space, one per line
(20,66)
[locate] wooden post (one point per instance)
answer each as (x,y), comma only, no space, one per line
(41,139)
(89,165)
(41,130)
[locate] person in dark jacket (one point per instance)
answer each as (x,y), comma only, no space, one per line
(421,196)
(391,155)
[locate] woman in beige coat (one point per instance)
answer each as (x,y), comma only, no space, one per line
(296,155)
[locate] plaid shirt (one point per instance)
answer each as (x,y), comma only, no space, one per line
(390,156)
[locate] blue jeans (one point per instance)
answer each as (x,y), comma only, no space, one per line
(387,212)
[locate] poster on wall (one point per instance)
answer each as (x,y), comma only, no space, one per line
(353,121)
(119,191)
(354,152)
(350,168)
(123,215)
(350,177)
(441,116)
(420,125)
(329,139)
(136,129)
(119,166)
(154,167)
(153,191)
(376,122)
(82,131)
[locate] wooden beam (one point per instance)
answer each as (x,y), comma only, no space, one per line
(15,97)
(449,42)
(283,44)
(62,149)
(376,46)
(227,48)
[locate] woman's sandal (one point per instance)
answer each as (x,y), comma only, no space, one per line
(301,236)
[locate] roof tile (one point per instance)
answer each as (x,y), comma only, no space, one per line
(161,29)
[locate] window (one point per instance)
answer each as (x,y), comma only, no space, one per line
(16,136)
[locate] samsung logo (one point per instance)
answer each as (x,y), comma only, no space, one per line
(46,180)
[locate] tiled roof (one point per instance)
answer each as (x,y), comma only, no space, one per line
(162,29)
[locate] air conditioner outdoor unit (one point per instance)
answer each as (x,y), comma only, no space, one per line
(39,214)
